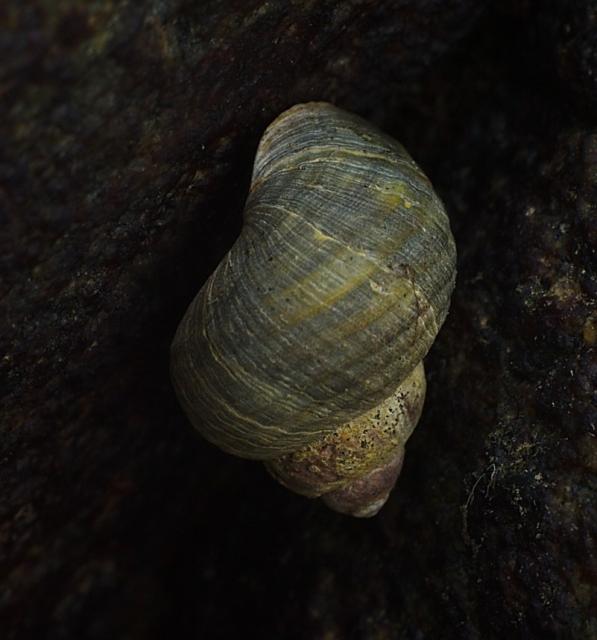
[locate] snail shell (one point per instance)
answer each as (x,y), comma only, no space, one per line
(304,348)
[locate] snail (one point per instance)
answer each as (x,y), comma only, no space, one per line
(304,348)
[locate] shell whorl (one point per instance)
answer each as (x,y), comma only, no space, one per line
(331,295)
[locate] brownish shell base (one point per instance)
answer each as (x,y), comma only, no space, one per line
(355,467)
(364,497)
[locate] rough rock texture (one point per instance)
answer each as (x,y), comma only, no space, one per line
(127,134)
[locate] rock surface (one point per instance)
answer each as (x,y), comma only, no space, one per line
(127,138)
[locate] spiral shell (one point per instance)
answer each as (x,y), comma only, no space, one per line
(329,299)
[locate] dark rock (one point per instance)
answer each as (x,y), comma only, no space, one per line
(127,137)
(577,50)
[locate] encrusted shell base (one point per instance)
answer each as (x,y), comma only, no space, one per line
(364,497)
(355,467)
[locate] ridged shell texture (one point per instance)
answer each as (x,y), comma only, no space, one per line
(332,294)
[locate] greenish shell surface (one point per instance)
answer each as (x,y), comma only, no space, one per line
(334,291)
